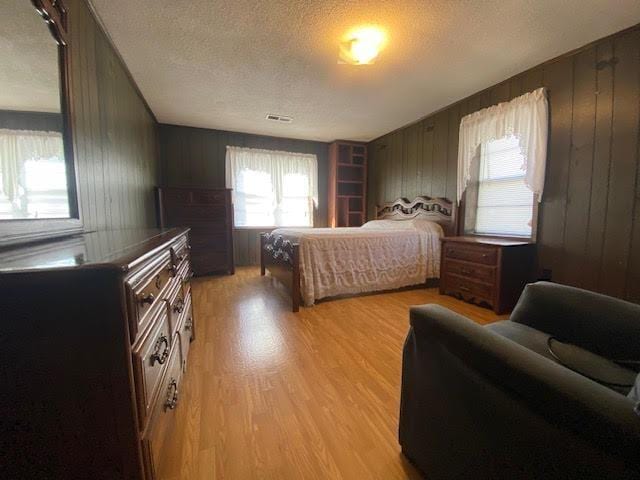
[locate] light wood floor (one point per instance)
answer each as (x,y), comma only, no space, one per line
(274,395)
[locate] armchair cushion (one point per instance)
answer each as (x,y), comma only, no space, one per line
(577,359)
(607,326)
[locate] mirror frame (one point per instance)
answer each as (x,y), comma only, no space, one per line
(13,232)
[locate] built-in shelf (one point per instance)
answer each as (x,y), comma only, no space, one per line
(347,184)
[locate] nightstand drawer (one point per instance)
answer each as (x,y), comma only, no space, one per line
(475,253)
(471,270)
(468,288)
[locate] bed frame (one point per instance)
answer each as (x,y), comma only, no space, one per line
(282,257)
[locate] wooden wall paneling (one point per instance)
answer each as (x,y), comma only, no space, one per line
(589,220)
(410,171)
(580,165)
(532,79)
(209,175)
(99,207)
(114,132)
(500,93)
(426,187)
(624,151)
(452,152)
(516,87)
(384,173)
(396,163)
(633,272)
(440,146)
(559,79)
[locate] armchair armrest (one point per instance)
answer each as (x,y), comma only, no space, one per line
(604,325)
(560,396)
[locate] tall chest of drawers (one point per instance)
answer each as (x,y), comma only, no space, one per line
(487,271)
(96,337)
(209,215)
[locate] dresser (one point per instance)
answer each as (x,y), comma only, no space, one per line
(347,189)
(209,215)
(96,337)
(486,271)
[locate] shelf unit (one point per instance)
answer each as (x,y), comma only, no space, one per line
(347,184)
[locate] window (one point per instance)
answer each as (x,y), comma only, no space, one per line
(272,188)
(33,176)
(499,201)
(502,155)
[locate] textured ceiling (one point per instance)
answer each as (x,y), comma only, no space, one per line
(28,60)
(225,64)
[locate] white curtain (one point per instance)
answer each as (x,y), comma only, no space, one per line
(272,188)
(526,118)
(19,146)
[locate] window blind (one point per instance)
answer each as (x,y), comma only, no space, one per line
(505,203)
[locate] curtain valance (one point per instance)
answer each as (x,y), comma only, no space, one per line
(526,118)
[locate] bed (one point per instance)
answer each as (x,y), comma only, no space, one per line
(400,248)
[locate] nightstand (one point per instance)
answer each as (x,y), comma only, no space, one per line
(486,271)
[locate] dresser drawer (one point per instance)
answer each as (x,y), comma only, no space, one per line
(146,288)
(471,270)
(180,252)
(476,254)
(209,197)
(150,357)
(468,288)
(210,239)
(157,439)
(198,215)
(176,305)
(186,331)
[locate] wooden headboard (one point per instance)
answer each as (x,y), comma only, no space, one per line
(439,210)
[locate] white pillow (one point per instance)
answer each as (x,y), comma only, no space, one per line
(427,226)
(419,224)
(389,225)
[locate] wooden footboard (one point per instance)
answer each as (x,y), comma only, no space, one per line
(281,257)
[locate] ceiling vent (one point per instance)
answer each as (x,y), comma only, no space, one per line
(278,118)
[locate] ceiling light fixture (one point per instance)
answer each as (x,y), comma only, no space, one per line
(362,45)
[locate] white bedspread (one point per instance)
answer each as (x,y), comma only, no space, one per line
(339,261)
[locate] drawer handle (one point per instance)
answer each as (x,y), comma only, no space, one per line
(466,271)
(187,277)
(148,298)
(157,356)
(188,326)
(172,395)
(464,289)
(179,306)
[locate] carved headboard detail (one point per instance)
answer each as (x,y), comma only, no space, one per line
(438,210)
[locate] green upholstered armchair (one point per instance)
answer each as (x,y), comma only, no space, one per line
(494,402)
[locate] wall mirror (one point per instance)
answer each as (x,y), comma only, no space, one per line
(38,190)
